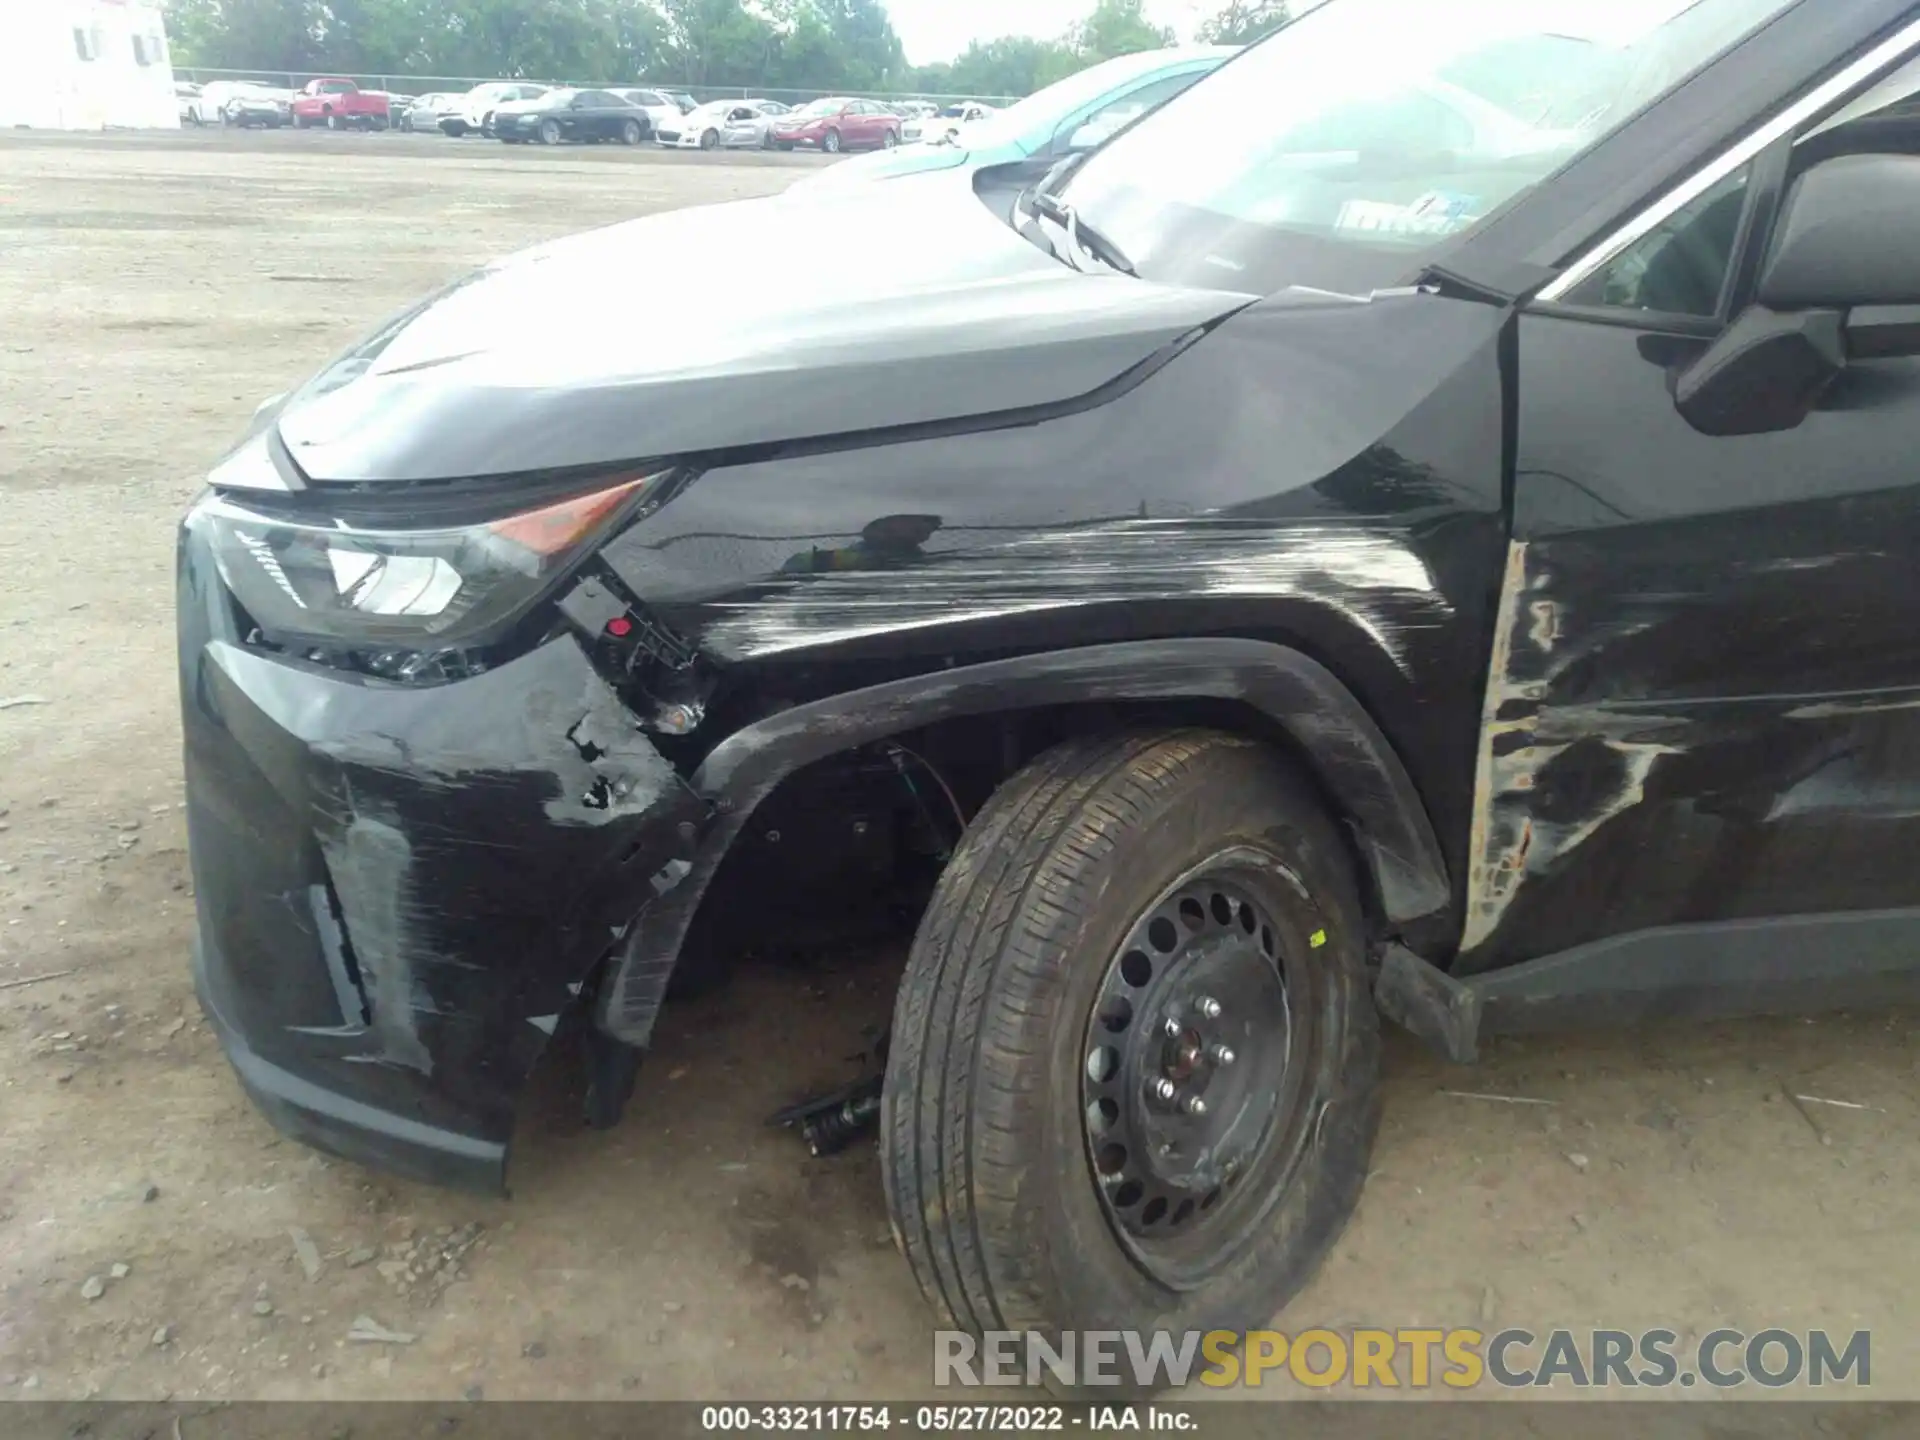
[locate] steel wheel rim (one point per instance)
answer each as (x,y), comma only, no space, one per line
(1200,1002)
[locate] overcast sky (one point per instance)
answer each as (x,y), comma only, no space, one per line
(940,29)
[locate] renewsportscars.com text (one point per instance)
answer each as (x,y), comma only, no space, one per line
(1376,1359)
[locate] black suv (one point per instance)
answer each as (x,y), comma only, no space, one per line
(1426,527)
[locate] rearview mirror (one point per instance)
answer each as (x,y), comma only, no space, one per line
(1840,282)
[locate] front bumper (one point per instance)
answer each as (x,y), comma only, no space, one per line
(401,889)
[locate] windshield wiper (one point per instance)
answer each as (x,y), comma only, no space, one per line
(1043,202)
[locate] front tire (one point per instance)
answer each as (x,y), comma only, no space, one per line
(1036,1176)
(631,134)
(334,122)
(710,140)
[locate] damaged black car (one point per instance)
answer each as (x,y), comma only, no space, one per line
(1422,525)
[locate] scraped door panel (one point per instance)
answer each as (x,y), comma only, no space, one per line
(1704,699)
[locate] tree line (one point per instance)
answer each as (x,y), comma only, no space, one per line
(750,44)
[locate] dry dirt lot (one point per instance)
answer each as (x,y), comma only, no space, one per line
(151,291)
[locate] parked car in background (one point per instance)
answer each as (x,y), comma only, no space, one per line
(662,109)
(246,104)
(340,105)
(837,124)
(721,125)
(580,115)
(474,113)
(428,111)
(946,121)
(685,101)
(195,107)
(1064,119)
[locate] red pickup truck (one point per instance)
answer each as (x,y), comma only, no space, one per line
(338,104)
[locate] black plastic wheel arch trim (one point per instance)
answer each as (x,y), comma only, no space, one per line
(1346,750)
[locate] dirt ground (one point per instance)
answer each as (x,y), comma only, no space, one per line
(152,291)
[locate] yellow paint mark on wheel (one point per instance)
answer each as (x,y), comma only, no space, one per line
(1317,939)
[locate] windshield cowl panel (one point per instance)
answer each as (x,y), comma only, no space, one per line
(1360,140)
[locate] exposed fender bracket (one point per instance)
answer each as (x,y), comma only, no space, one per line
(1441,1010)
(1346,749)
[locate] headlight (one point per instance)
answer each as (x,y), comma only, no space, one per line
(398,593)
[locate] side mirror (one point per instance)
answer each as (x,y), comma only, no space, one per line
(1845,237)
(1840,282)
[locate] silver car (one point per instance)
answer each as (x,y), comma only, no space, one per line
(722,124)
(243,103)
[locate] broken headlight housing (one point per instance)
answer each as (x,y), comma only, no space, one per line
(405,601)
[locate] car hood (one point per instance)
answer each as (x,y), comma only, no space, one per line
(788,318)
(892,164)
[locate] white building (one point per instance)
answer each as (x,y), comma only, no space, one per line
(85,65)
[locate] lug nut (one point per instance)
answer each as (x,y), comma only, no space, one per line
(1209,1007)
(1163,1089)
(1171,1028)
(1221,1055)
(1194,1106)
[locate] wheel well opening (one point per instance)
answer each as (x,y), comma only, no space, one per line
(846,851)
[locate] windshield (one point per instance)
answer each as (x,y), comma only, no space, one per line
(822,107)
(1033,120)
(1367,133)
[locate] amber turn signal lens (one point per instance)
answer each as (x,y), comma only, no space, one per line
(559,527)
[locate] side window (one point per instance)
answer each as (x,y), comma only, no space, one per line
(86,43)
(1680,267)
